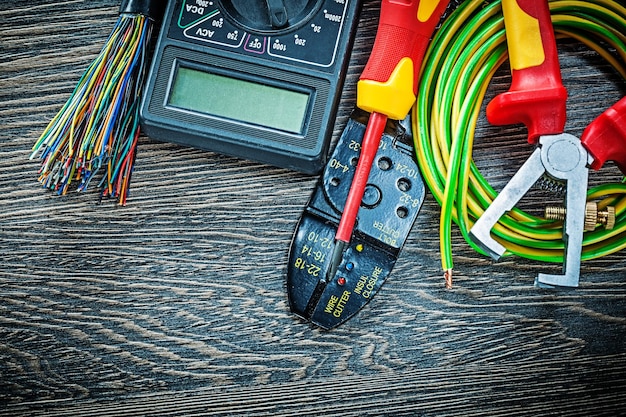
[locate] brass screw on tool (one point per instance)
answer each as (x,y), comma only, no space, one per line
(593,216)
(607,217)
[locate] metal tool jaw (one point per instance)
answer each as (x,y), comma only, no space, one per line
(393,197)
(563,158)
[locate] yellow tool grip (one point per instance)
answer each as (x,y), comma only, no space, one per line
(537,96)
(388,84)
(523,34)
(392,97)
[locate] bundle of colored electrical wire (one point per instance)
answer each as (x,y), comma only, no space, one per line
(95,133)
(457,70)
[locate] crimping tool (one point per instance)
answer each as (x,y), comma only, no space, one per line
(537,98)
(393,197)
(332,264)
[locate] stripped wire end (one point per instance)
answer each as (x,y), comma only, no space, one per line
(447,275)
(98,126)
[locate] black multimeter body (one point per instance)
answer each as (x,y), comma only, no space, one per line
(258,79)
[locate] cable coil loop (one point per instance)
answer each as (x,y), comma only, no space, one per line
(459,65)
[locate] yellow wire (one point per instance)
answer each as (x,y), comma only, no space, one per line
(538,238)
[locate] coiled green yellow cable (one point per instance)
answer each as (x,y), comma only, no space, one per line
(458,66)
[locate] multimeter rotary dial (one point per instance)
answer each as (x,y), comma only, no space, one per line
(270,16)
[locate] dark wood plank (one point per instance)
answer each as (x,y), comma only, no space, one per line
(538,388)
(176,303)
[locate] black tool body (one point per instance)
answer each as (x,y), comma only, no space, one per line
(393,197)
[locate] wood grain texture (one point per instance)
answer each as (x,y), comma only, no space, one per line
(176,304)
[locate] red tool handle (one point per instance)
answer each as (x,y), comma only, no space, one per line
(388,84)
(605,137)
(537,96)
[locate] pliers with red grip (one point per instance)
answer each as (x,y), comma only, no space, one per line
(537,98)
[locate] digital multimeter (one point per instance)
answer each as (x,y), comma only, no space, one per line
(258,79)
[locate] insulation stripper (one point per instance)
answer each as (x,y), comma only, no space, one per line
(538,98)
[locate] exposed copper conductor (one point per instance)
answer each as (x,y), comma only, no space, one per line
(447,275)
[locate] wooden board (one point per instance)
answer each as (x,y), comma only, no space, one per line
(176,303)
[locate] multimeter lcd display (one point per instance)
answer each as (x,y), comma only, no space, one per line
(258,79)
(238,99)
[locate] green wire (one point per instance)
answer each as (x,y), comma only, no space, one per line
(458,66)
